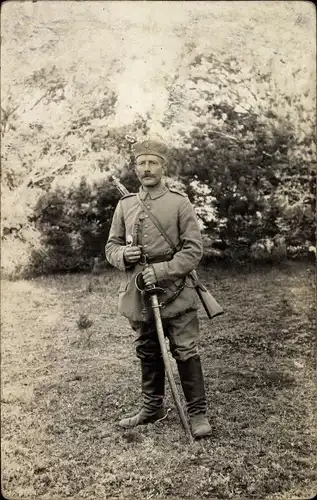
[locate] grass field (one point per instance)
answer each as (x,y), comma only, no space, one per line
(64,388)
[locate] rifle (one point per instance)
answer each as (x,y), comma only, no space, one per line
(209,303)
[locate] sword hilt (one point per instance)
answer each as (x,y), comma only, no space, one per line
(153,290)
(148,289)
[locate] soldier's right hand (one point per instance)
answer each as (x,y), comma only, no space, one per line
(132,254)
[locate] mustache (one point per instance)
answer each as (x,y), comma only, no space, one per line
(148,175)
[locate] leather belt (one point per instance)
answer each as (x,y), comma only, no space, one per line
(158,258)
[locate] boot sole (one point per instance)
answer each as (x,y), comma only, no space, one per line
(150,420)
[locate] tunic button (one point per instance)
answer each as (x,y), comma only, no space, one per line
(146,235)
(145,245)
(148,206)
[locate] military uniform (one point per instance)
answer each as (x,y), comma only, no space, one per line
(179,302)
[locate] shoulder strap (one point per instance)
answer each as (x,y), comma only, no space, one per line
(173,190)
(157,223)
(127,196)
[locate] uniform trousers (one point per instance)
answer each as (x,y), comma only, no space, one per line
(182,332)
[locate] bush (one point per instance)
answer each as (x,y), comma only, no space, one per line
(52,219)
(247,162)
(74,215)
(74,224)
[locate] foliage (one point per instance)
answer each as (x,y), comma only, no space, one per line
(247,161)
(245,154)
(45,155)
(74,224)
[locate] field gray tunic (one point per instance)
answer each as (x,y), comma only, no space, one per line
(177,216)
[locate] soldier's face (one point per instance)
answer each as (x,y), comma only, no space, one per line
(149,169)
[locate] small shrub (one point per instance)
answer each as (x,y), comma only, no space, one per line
(83,322)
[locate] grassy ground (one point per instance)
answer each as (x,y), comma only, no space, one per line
(64,388)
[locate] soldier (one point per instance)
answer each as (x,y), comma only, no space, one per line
(133,236)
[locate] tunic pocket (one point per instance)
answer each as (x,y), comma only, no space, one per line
(129,303)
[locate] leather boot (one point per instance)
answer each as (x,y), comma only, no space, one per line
(192,381)
(153,379)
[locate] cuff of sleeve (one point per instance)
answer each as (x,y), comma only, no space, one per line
(161,270)
(120,262)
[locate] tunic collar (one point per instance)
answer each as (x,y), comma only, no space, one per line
(157,193)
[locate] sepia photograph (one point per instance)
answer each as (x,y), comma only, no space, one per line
(158,250)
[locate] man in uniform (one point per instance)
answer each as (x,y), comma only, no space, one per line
(134,239)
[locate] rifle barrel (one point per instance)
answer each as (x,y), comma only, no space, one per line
(123,190)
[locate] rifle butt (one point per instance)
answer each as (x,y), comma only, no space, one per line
(209,303)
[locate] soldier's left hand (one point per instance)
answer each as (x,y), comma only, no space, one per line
(149,276)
